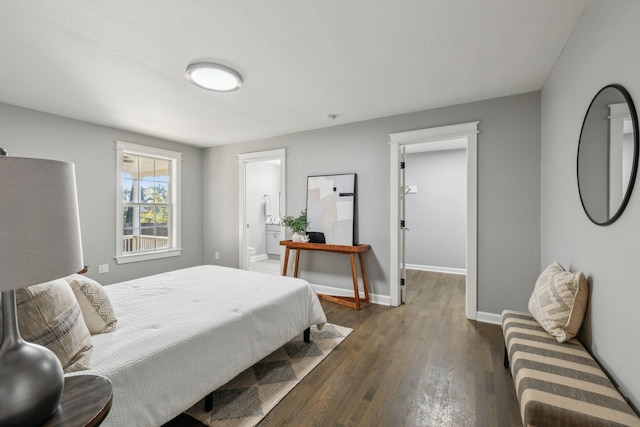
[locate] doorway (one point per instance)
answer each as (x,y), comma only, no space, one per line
(447,135)
(435,207)
(262,179)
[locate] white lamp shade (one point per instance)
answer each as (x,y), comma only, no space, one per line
(39,222)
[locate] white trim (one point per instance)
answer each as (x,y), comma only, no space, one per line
(618,114)
(340,292)
(146,150)
(394,224)
(175,222)
(441,133)
(263,155)
(260,257)
(146,256)
(620,110)
(244,158)
(435,269)
(464,130)
(494,319)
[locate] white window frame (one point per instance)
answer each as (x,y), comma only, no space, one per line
(175,157)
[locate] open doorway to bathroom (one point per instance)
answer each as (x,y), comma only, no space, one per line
(262,190)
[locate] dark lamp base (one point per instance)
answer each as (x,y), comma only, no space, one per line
(31,376)
(31,383)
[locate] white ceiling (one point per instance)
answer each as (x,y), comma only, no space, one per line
(121,63)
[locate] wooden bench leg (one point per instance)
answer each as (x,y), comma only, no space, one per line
(506,357)
(208,402)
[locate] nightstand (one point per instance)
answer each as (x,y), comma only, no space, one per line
(86,401)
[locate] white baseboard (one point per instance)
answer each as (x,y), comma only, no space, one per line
(340,292)
(258,257)
(492,318)
(449,270)
(481,316)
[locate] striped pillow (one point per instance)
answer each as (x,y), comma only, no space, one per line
(95,304)
(49,315)
(559,301)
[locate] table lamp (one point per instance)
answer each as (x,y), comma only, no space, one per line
(39,242)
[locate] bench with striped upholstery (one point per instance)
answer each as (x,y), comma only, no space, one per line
(559,384)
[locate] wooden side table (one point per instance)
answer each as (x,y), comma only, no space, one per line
(340,249)
(86,401)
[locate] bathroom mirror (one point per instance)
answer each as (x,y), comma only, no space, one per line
(608,154)
(331,204)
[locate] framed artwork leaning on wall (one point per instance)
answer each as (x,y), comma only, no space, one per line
(331,207)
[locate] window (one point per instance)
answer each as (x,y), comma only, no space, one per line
(148,203)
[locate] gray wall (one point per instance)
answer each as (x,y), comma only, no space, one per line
(508,193)
(28,133)
(601,50)
(436,215)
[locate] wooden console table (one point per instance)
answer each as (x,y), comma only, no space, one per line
(351,250)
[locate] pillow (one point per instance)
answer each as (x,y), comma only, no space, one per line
(49,315)
(95,304)
(559,301)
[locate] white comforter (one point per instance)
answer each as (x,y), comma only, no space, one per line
(185,333)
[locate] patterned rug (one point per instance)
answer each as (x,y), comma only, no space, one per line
(249,397)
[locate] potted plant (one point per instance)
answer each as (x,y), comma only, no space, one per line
(298,225)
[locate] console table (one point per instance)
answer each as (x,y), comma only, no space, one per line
(350,250)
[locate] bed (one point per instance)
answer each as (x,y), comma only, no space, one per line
(183,334)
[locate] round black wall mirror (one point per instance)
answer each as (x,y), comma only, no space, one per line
(608,154)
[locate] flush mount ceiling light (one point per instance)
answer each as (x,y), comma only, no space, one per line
(215,77)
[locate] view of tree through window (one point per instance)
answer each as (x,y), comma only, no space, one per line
(146,203)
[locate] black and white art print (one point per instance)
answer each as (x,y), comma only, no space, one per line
(331,202)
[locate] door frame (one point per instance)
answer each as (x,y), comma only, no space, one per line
(437,134)
(243,160)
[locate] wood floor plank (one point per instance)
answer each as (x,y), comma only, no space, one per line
(420,364)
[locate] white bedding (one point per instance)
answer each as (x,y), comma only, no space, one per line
(185,333)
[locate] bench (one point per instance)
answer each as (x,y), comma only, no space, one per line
(559,384)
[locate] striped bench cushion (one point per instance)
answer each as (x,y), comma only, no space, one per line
(559,384)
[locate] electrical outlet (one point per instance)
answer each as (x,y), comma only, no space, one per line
(217,255)
(103,268)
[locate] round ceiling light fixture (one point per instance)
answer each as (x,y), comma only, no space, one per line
(215,77)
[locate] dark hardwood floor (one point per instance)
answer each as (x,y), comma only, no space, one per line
(421,364)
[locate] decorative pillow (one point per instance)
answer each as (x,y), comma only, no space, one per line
(49,315)
(559,301)
(95,304)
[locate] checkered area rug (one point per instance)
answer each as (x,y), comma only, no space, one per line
(247,398)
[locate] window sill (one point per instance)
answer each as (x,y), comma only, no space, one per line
(146,256)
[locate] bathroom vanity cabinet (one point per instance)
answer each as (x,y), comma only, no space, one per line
(273,239)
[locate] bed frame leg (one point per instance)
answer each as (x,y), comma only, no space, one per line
(208,402)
